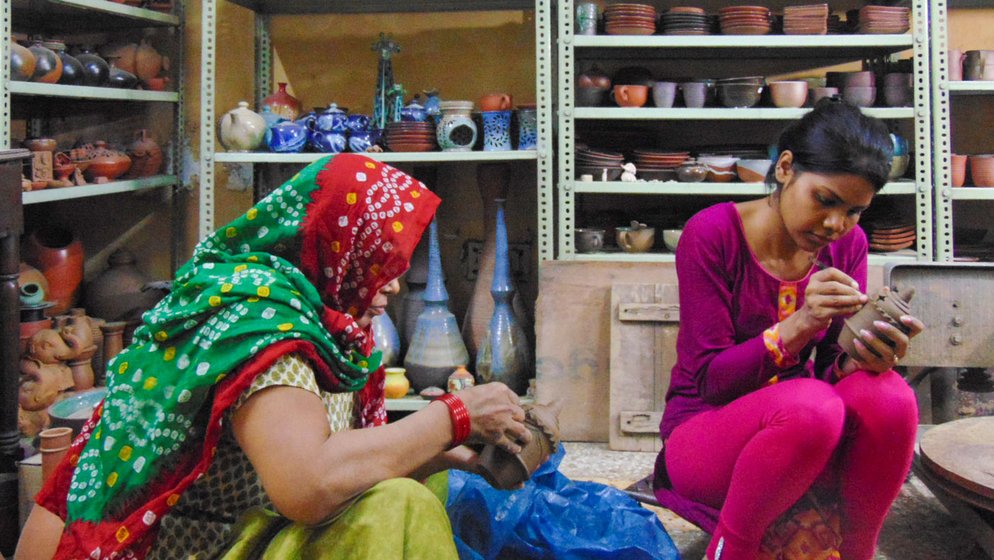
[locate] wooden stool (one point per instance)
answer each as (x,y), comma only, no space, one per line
(954,460)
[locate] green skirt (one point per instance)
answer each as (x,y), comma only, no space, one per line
(398,518)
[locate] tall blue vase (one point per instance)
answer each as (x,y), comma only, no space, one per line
(436,346)
(387,339)
(504,355)
(416,280)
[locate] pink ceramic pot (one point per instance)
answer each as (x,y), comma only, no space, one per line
(860,79)
(819,92)
(982,170)
(860,96)
(790,93)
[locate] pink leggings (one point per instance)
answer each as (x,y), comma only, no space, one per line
(758,455)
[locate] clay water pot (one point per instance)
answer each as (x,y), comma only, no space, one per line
(885,305)
(117,293)
(120,78)
(22,62)
(396,383)
(958,169)
(72,69)
(506,471)
(124,55)
(58,254)
(145,154)
(148,61)
(48,65)
(107,164)
(95,69)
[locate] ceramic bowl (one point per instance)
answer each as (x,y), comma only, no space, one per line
(75,410)
(692,173)
(752,170)
(820,92)
(589,240)
(590,97)
(739,95)
(860,79)
(789,93)
(671,237)
(898,96)
(41,144)
(860,96)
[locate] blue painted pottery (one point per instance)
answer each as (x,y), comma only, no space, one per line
(527,129)
(286,137)
(331,119)
(270,117)
(496,130)
(360,140)
(357,122)
(327,141)
(414,111)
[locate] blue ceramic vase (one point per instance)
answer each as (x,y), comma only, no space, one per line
(436,346)
(496,131)
(386,339)
(527,129)
(504,355)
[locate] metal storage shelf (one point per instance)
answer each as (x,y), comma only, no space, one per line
(970,88)
(721,113)
(88,191)
(703,189)
(388,157)
(716,56)
(972,193)
(874,259)
(288,7)
(87,92)
(92,15)
(265,10)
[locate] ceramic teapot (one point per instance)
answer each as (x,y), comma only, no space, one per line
(241,129)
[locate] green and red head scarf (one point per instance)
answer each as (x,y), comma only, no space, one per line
(290,275)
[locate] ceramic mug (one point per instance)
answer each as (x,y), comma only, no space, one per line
(630,95)
(663,94)
(635,240)
(589,240)
(495,102)
(695,94)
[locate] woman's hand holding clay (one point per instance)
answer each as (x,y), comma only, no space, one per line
(496,416)
(831,293)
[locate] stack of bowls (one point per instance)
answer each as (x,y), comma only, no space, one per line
(805,20)
(789,93)
(602,164)
(410,136)
(892,237)
(884,20)
(684,20)
(897,89)
(745,20)
(860,88)
(721,169)
(630,19)
(655,165)
(740,92)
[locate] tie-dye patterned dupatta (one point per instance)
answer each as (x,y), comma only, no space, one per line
(290,275)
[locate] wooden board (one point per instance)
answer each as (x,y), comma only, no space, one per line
(644,324)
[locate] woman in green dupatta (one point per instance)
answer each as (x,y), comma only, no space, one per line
(234,401)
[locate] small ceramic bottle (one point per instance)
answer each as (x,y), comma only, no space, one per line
(241,129)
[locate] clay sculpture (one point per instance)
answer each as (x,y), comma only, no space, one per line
(885,305)
(507,471)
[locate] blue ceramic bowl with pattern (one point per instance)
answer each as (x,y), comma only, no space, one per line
(327,142)
(357,122)
(286,137)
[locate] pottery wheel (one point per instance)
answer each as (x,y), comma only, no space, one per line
(961,453)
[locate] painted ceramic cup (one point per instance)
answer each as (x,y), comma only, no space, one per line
(694,94)
(496,131)
(527,129)
(456,131)
(663,94)
(586,18)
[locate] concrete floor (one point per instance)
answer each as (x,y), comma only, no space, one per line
(918,527)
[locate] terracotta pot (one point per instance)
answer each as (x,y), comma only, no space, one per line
(507,471)
(54,444)
(958,169)
(495,102)
(40,144)
(148,62)
(106,164)
(116,294)
(146,156)
(113,332)
(630,95)
(885,305)
(125,55)
(22,62)
(63,166)
(59,256)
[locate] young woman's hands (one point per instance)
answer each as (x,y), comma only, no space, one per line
(496,416)
(889,347)
(831,293)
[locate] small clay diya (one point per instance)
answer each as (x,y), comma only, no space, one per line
(886,305)
(507,471)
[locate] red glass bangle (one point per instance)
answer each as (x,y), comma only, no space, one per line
(460,418)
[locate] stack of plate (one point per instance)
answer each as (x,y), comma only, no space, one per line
(685,20)
(805,20)
(630,19)
(884,20)
(410,136)
(602,164)
(745,20)
(654,165)
(891,237)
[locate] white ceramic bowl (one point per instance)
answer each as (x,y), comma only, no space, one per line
(752,170)
(671,237)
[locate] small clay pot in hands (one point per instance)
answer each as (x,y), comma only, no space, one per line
(507,471)
(886,305)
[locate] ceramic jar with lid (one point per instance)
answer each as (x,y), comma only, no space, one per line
(241,129)
(456,130)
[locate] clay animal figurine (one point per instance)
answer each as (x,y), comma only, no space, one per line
(628,175)
(44,378)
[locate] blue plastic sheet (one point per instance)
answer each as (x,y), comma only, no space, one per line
(552,517)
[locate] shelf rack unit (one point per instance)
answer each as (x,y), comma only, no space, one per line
(211,154)
(944,93)
(70,16)
(776,53)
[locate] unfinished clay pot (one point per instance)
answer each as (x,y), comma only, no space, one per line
(506,471)
(886,305)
